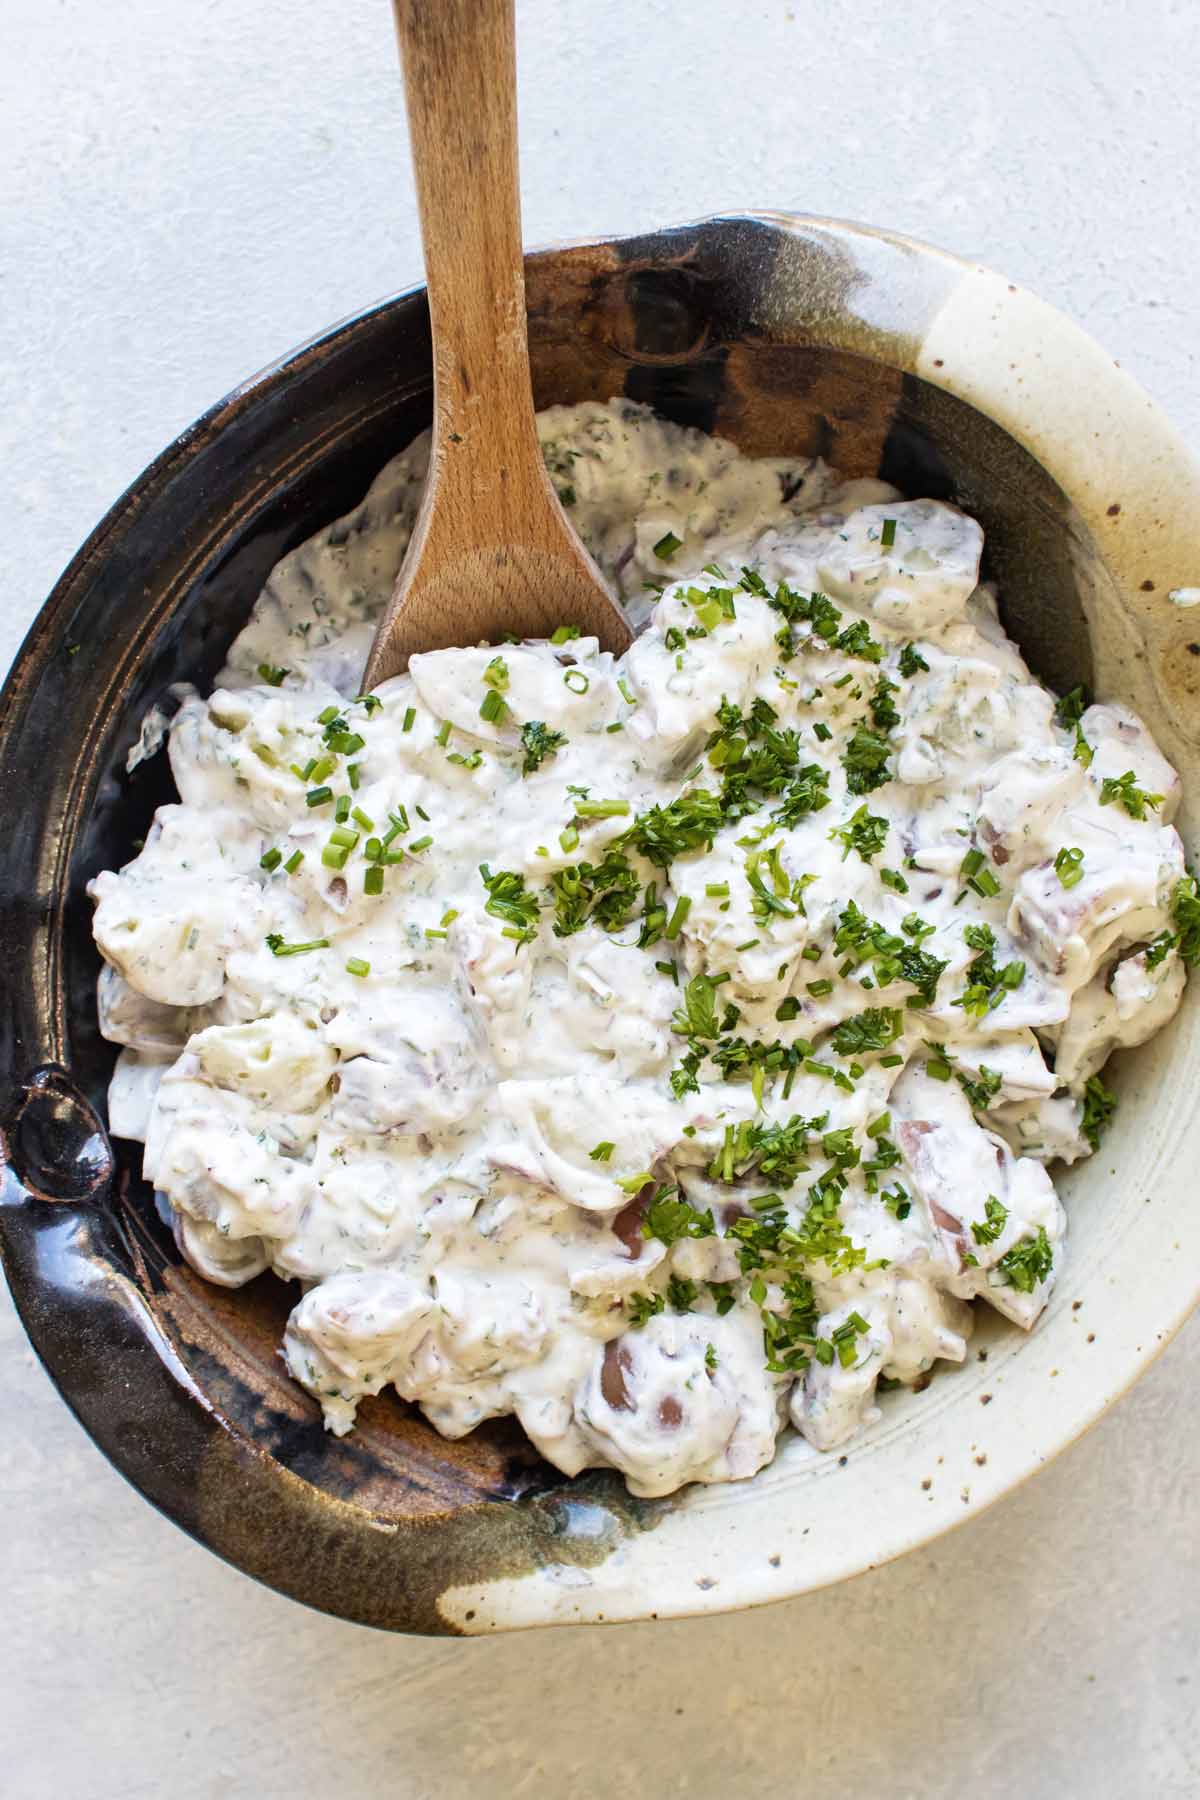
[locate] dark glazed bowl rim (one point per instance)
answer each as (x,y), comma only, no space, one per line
(914,310)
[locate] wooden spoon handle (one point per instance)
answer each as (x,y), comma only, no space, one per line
(459,60)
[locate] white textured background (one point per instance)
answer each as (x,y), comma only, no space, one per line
(188,188)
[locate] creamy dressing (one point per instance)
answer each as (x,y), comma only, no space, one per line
(801,934)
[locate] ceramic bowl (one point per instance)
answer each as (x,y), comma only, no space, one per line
(788,335)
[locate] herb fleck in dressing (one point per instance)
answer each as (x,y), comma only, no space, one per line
(659,1050)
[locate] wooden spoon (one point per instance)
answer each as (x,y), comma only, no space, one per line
(491,550)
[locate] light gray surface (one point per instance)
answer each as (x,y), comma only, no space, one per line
(191,189)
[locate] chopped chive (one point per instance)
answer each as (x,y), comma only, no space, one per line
(493,707)
(277,947)
(569,838)
(563,634)
(328,716)
(819,989)
(985,883)
(272,675)
(577,681)
(602,1152)
(360,818)
(352,773)
(293,862)
(675,923)
(811,953)
(418,844)
(344,837)
(667,545)
(320,796)
(334,856)
(601,809)
(373,880)
(449,916)
(788,1008)
(372,702)
(890,1062)
(669,970)
(614,727)
(822,731)
(356,966)
(345,743)
(443,736)
(717,890)
(341,808)
(270,860)
(749,944)
(324,765)
(887,536)
(421,813)
(373,849)
(410,713)
(626,692)
(430,932)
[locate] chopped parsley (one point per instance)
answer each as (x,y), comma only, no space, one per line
(865,761)
(865,832)
(670,1219)
(883,713)
(860,940)
(1099,1106)
(682,1294)
(1186,915)
(689,823)
(538,742)
(807,793)
(983,1090)
(1028,1262)
(1124,788)
(987,986)
(911,661)
(643,1307)
(856,640)
(773,1152)
(605,892)
(1071,708)
(875,1029)
(697,1018)
(509,899)
(988,1229)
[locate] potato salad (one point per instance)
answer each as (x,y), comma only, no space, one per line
(666,1050)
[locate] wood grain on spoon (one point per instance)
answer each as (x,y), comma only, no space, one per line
(492,550)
